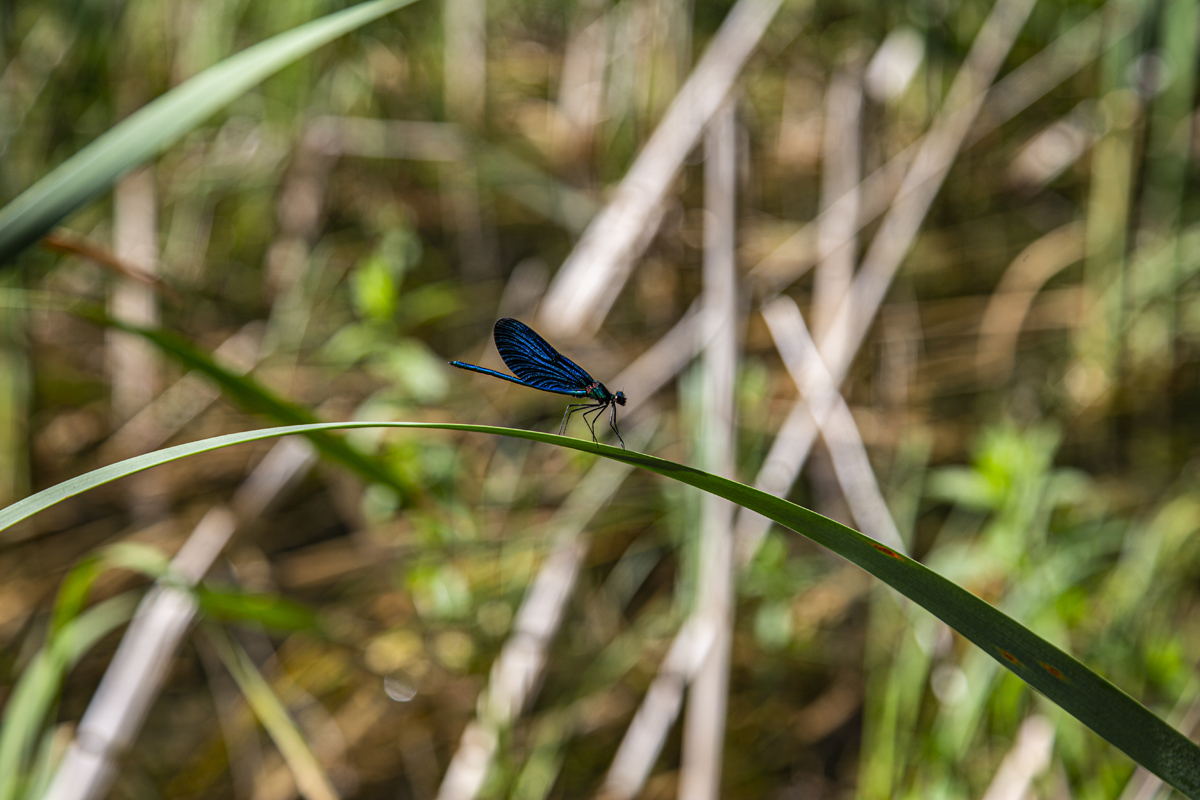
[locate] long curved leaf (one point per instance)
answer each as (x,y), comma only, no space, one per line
(90,172)
(257,399)
(1085,695)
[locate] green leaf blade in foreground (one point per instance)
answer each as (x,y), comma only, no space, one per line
(257,399)
(90,172)
(1085,695)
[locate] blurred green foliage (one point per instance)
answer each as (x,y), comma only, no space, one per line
(1063,490)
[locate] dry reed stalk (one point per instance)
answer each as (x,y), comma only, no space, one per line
(1018,90)
(796,437)
(857,312)
(704,726)
(63,242)
(592,276)
(135,243)
(513,680)
(1029,756)
(837,233)
(137,671)
(465,59)
(851,465)
(1009,305)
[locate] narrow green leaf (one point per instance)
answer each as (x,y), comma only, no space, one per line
(270,610)
(27,710)
(73,594)
(311,779)
(74,591)
(1091,699)
(144,134)
(257,399)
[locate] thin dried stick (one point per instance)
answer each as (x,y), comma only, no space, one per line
(857,312)
(331,739)
(134,364)
(594,273)
(68,244)
(1009,305)
(133,361)
(796,437)
(243,752)
(851,465)
(923,182)
(840,175)
(138,669)
(1065,56)
(306,773)
(515,672)
(1017,91)
(666,358)
(704,728)
(1029,756)
(465,59)
(643,739)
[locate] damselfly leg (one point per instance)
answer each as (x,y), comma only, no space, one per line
(612,423)
(591,423)
(571,409)
(588,408)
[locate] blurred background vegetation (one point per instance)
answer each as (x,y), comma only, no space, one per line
(1028,394)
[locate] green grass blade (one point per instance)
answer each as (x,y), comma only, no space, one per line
(311,780)
(90,172)
(27,709)
(50,752)
(269,610)
(1091,699)
(77,586)
(255,398)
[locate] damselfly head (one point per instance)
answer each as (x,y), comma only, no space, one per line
(619,398)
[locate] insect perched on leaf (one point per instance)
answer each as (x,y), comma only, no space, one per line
(540,366)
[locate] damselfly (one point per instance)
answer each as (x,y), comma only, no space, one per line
(540,366)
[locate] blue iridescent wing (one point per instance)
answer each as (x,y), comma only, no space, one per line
(534,361)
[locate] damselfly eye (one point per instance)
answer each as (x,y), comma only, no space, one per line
(620,398)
